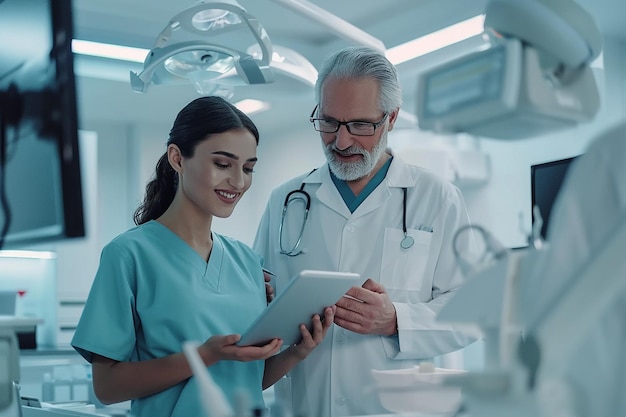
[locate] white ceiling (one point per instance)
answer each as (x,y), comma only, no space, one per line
(138,22)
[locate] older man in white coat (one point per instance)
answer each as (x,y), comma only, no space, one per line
(373,214)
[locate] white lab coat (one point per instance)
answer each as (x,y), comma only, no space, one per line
(335,379)
(590,206)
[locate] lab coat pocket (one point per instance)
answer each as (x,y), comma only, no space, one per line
(405,269)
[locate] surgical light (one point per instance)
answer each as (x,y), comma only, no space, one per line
(290,63)
(206,44)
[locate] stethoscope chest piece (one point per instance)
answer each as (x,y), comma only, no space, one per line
(407,242)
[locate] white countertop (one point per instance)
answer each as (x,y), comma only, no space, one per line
(19,322)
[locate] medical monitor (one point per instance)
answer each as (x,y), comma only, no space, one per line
(476,80)
(40,181)
(545,182)
(502,92)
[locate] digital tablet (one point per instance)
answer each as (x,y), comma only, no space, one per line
(308,293)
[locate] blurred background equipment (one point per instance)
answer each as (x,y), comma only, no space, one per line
(40,178)
(533,78)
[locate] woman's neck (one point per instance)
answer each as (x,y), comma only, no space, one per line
(193,229)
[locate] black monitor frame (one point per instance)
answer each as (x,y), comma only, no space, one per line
(48,108)
(545,190)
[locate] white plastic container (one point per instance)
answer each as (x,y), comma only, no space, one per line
(420,389)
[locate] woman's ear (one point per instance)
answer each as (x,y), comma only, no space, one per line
(175,157)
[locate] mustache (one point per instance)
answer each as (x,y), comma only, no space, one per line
(352,150)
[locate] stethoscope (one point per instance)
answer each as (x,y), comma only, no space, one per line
(300,195)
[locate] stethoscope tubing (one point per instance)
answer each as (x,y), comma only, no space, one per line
(295,251)
(406,243)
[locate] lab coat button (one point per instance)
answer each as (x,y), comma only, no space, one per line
(340,401)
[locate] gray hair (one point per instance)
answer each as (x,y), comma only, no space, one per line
(362,62)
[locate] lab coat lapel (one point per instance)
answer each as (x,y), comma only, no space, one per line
(398,176)
(377,198)
(327,193)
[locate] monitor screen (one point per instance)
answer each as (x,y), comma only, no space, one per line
(545,182)
(40,180)
(470,81)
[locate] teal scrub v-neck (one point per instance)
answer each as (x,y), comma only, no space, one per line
(352,201)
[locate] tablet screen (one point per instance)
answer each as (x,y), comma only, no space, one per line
(308,293)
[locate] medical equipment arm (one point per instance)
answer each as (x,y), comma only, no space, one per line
(533,78)
(558,335)
(561,30)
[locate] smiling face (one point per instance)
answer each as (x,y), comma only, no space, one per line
(213,181)
(353,157)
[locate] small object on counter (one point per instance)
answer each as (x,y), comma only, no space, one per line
(80,387)
(47,388)
(62,383)
(426,367)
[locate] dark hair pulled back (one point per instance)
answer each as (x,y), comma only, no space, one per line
(196,122)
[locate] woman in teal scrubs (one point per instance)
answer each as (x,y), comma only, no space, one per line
(171,279)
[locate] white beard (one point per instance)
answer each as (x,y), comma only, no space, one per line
(351,171)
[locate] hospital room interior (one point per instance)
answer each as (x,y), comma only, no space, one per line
(504,133)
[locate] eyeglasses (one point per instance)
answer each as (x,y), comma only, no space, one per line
(354,128)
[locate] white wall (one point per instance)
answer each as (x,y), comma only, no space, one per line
(112,181)
(280,158)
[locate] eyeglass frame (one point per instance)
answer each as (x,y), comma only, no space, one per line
(346,124)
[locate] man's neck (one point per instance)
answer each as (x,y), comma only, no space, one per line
(359,184)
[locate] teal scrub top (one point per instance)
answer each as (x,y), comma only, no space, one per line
(152,292)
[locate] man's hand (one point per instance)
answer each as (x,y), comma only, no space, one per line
(367,310)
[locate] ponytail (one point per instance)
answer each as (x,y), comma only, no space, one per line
(160,193)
